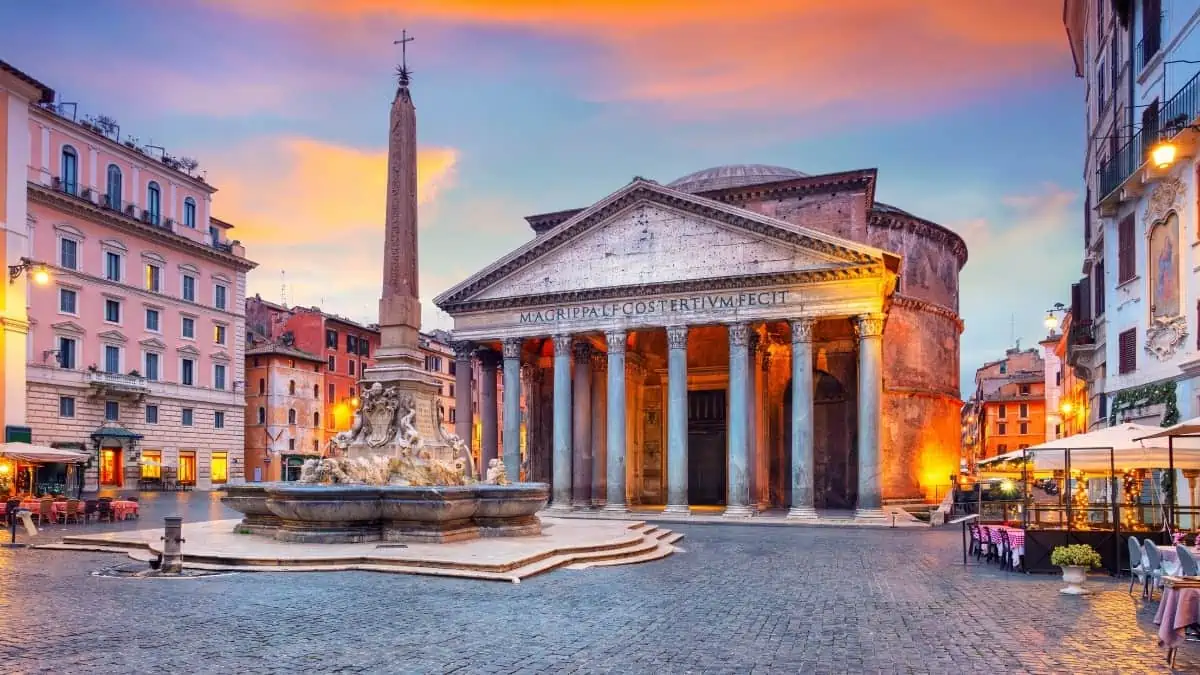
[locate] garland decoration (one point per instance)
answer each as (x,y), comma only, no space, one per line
(1146,395)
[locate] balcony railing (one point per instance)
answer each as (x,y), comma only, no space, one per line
(118,384)
(1083,334)
(1183,107)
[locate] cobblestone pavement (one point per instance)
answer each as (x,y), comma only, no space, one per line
(738,600)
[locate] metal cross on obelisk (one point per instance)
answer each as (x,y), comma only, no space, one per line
(403,42)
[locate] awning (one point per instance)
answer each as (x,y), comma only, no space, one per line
(1184,429)
(24,452)
(1123,447)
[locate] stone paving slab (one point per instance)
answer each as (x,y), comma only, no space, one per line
(214,545)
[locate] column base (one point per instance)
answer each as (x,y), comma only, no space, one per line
(875,515)
(580,504)
(802,513)
(738,511)
(615,508)
(678,510)
(599,503)
(559,507)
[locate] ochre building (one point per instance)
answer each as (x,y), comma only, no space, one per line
(744,337)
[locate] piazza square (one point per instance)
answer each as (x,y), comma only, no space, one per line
(585,342)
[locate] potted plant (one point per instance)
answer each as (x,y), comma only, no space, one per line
(1075,560)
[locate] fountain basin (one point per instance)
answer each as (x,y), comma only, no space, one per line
(325,514)
(250,499)
(341,514)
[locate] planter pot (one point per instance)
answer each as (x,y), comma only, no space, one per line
(1074,576)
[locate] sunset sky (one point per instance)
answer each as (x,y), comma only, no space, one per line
(969,109)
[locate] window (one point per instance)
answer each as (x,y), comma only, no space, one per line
(291,444)
(316,391)
(451,367)
(151,464)
(1151,29)
(68,253)
(214,235)
(152,320)
(1001,429)
(68,301)
(151,414)
(218,376)
(219,334)
(188,329)
(1002,412)
(1024,389)
(291,416)
(1058,431)
(351,392)
(218,420)
(1127,351)
(451,418)
(350,366)
(332,393)
(112,411)
(1058,379)
(188,285)
(112,194)
(332,364)
(1126,260)
(66,406)
(219,296)
(112,359)
(187,467)
(112,266)
(1024,427)
(291,387)
(153,203)
(331,339)
(1003,370)
(316,447)
(262,385)
(364,347)
(153,278)
(262,415)
(1002,448)
(189,212)
(66,352)
(187,372)
(112,311)
(351,344)
(220,467)
(185,417)
(1098,282)
(152,366)
(433,364)
(316,419)
(70,170)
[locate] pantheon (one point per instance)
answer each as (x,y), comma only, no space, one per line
(743,338)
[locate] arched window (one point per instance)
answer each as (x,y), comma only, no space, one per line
(262,386)
(316,391)
(262,415)
(70,170)
(113,191)
(291,387)
(292,416)
(189,212)
(316,419)
(153,202)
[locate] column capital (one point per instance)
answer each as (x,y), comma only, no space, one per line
(739,334)
(464,350)
(869,325)
(583,352)
(488,358)
(562,345)
(512,347)
(677,337)
(802,330)
(616,341)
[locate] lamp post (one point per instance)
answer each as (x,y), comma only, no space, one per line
(37,271)
(1051,321)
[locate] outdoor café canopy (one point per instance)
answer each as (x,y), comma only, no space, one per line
(1121,447)
(24,452)
(1185,431)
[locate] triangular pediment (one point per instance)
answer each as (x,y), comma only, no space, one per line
(68,327)
(112,336)
(646,235)
(152,343)
(188,350)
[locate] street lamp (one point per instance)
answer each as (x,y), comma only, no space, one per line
(1163,154)
(37,271)
(1066,407)
(1051,320)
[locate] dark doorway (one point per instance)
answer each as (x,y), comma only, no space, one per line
(835,431)
(706,447)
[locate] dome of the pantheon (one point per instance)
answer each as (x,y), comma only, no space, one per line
(733,175)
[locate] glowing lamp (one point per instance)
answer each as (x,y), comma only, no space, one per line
(4,469)
(1007,486)
(1051,322)
(41,276)
(354,402)
(1066,407)
(1163,154)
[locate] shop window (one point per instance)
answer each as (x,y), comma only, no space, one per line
(151,464)
(187,467)
(220,467)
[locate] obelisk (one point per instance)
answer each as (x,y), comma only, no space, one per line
(399,361)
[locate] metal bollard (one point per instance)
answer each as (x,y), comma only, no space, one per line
(172,559)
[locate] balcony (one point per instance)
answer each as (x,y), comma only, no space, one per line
(1115,174)
(1147,48)
(116,385)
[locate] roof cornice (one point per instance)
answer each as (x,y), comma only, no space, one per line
(924,228)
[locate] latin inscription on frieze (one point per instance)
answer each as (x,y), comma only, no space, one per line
(664,307)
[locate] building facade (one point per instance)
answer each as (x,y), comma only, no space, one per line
(1134,337)
(1009,404)
(284,406)
(135,343)
(655,375)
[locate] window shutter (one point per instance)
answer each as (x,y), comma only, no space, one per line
(1098,285)
(1087,218)
(1126,267)
(1127,346)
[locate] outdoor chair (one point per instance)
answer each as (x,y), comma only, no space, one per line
(1187,562)
(1005,549)
(89,509)
(1154,570)
(976,546)
(1137,569)
(45,510)
(104,511)
(72,512)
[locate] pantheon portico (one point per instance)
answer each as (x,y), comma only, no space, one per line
(674,349)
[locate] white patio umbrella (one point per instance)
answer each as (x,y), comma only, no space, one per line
(26,452)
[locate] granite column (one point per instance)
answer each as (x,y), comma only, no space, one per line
(737,489)
(512,408)
(869,328)
(599,428)
(677,420)
(616,422)
(561,483)
(581,493)
(464,409)
(803,435)
(488,410)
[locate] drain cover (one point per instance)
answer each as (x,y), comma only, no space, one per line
(142,571)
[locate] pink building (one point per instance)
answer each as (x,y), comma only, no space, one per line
(136,345)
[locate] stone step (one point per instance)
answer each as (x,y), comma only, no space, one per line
(635,552)
(657,553)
